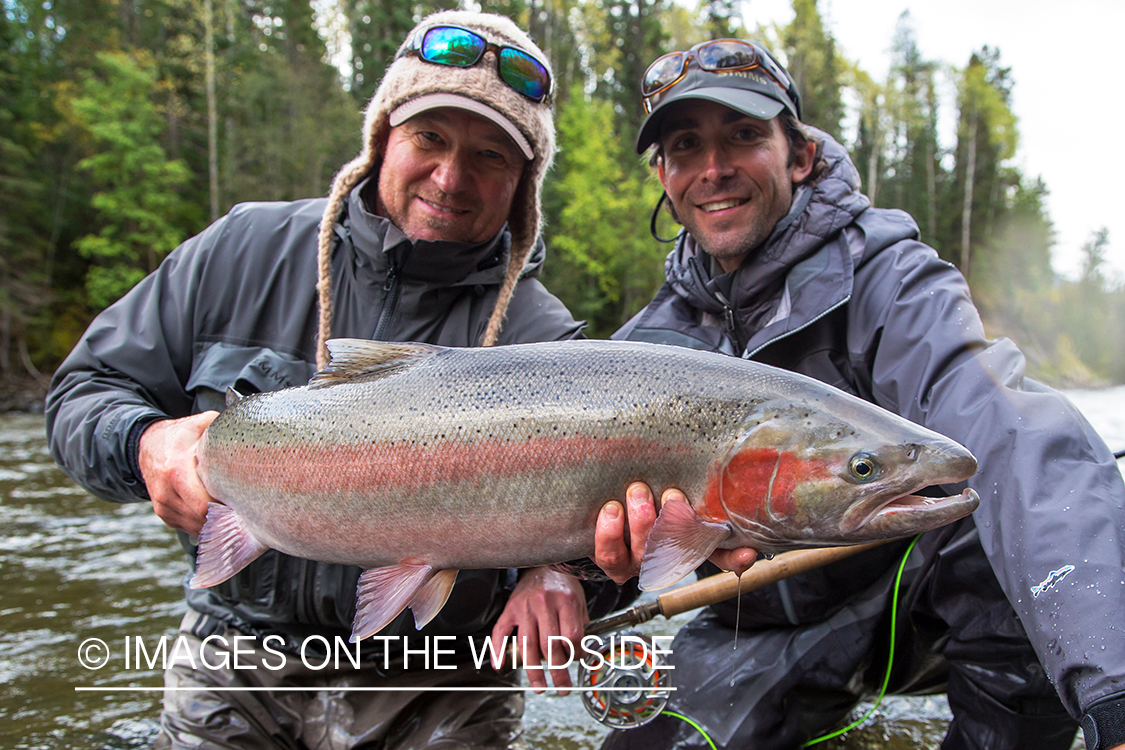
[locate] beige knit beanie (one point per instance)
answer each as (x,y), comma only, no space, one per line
(408,79)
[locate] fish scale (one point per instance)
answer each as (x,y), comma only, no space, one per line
(410,459)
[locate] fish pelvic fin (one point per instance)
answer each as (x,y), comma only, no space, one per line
(382,593)
(226,546)
(359,358)
(679,541)
(431,597)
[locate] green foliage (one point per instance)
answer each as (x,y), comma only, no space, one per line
(604,265)
(105,152)
(135,182)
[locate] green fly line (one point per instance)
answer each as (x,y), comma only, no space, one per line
(886,677)
(890,657)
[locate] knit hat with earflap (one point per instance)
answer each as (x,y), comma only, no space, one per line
(409,79)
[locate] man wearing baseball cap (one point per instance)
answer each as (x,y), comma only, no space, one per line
(432,235)
(1014,611)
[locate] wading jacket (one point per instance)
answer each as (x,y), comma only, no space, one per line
(860,303)
(237,306)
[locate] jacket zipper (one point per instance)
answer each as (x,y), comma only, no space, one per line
(391,289)
(787,334)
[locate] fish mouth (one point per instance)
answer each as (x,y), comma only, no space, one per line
(908,514)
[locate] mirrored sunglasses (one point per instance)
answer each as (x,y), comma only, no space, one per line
(461,48)
(718,55)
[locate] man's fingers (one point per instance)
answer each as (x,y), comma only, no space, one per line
(167,462)
(737,560)
(528,640)
(642,517)
(610,552)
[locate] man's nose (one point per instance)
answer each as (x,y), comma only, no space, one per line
(717,164)
(452,172)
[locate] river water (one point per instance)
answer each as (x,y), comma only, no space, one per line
(74,568)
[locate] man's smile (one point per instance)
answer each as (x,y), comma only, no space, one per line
(723,204)
(445,209)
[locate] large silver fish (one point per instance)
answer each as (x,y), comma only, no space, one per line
(413,461)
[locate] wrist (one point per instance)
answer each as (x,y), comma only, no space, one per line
(133,454)
(1103,726)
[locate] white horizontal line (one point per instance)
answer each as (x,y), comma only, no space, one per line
(458,689)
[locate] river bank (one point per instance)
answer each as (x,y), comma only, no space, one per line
(23,393)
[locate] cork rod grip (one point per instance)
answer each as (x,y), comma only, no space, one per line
(723,586)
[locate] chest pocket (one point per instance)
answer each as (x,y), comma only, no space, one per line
(247,369)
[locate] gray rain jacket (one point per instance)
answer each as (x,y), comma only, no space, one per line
(861,304)
(237,306)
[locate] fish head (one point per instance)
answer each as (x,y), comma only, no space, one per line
(833,470)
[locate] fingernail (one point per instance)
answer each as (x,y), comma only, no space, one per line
(613,511)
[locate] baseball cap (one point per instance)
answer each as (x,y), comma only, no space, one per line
(739,74)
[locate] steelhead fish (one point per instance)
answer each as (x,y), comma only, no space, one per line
(413,461)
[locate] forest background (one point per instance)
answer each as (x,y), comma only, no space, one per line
(127,126)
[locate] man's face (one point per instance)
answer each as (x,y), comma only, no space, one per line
(448,174)
(727,177)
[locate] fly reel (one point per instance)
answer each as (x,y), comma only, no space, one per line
(625,683)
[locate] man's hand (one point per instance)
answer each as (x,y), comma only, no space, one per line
(545,603)
(622,561)
(167,458)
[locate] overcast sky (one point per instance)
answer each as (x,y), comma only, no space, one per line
(1069,92)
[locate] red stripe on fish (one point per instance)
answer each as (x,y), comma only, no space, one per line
(329,468)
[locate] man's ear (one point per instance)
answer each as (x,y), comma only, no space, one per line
(803,160)
(660,171)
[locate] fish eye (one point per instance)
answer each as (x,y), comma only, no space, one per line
(863,467)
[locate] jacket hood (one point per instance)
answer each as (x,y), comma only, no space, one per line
(757,291)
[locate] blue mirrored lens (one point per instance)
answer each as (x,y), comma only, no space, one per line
(449,46)
(524,73)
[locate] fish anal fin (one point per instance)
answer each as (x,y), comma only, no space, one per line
(359,358)
(226,546)
(382,593)
(431,597)
(679,541)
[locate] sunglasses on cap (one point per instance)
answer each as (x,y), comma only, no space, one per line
(719,55)
(461,48)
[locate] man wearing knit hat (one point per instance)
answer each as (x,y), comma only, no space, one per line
(431,234)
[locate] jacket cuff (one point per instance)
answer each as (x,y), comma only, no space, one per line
(136,481)
(1103,726)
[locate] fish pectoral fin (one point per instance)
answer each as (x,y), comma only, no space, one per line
(384,592)
(356,358)
(679,541)
(431,597)
(226,546)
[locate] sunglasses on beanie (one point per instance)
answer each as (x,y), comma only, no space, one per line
(461,48)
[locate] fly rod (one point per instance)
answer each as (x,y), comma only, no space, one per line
(723,586)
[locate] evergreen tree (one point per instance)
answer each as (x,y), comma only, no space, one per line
(135,181)
(815,67)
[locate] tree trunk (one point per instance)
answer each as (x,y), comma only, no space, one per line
(967,205)
(931,193)
(873,162)
(5,337)
(212,115)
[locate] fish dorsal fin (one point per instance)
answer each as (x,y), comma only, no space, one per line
(359,358)
(233,397)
